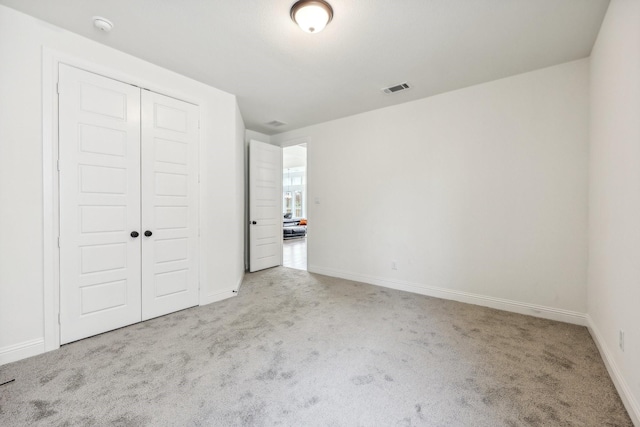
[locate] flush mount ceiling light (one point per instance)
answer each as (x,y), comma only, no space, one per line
(103,24)
(312,15)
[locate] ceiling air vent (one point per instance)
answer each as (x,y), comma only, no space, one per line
(397,88)
(276,123)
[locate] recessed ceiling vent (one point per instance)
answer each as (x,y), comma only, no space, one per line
(276,123)
(397,88)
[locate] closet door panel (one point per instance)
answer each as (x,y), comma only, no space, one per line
(169,205)
(99,153)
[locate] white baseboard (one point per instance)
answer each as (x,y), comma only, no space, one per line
(218,296)
(224,294)
(21,350)
(240,280)
(551,313)
(632,405)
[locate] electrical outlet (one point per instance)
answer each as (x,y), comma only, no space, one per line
(621,339)
(394,265)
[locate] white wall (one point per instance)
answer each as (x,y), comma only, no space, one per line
(240,196)
(478,195)
(22,39)
(614,197)
(258,136)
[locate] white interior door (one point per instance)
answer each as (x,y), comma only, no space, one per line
(265,206)
(169,205)
(99,154)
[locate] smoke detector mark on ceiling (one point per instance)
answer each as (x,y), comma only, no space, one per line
(102,24)
(276,123)
(397,88)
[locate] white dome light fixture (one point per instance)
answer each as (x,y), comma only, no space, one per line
(103,24)
(312,15)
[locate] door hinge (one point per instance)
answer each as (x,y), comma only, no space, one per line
(58,88)
(58,165)
(59,319)
(198,178)
(58,241)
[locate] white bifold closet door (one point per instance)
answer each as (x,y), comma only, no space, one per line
(128,161)
(169,205)
(99,155)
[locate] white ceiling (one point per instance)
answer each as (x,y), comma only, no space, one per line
(252,49)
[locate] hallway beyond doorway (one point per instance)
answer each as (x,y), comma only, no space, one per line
(294,253)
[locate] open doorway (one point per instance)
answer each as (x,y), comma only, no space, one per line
(294,206)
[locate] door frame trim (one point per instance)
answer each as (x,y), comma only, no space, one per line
(51,58)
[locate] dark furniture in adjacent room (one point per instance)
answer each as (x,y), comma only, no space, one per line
(293,227)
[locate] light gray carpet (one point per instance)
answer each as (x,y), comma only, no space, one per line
(299,349)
